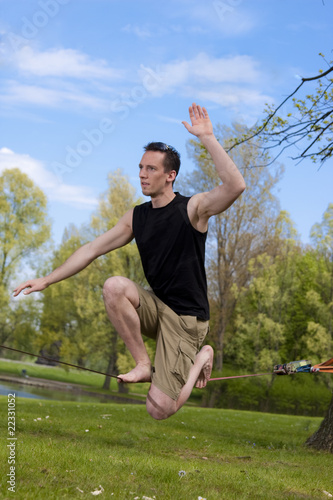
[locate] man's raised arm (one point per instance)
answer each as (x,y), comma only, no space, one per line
(233,184)
(118,236)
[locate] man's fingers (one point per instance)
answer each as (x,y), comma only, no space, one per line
(202,112)
(186,125)
(197,116)
(196,111)
(35,285)
(19,289)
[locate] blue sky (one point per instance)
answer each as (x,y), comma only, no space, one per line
(86,83)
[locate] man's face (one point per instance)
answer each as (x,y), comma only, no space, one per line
(152,176)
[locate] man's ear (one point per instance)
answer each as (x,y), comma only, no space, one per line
(172,176)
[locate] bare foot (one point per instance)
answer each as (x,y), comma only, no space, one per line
(207,354)
(141,373)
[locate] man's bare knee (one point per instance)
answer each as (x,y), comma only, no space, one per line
(155,413)
(113,287)
(159,410)
(117,288)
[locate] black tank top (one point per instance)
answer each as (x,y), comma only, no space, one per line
(173,256)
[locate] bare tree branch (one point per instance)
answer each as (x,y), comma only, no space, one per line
(311,123)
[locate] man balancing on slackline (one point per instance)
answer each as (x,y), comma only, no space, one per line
(170,232)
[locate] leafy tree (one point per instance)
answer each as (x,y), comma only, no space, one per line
(237,235)
(23,221)
(258,323)
(322,236)
(60,321)
(257,335)
(305,269)
(24,229)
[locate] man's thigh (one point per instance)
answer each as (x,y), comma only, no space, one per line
(178,342)
(149,311)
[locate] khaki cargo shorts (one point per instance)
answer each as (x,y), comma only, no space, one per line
(178,340)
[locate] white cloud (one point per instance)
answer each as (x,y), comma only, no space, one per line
(63,63)
(204,69)
(78,196)
(232,82)
(57,78)
(15,92)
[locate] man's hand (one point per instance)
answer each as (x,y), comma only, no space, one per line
(201,124)
(36,285)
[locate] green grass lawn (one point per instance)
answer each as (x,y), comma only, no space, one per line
(68,450)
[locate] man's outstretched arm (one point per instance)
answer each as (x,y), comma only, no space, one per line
(118,236)
(233,184)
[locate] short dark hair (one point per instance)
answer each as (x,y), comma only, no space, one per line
(171,158)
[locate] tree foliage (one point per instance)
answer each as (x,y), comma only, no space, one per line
(23,221)
(24,229)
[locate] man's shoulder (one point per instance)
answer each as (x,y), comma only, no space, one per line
(142,206)
(180,198)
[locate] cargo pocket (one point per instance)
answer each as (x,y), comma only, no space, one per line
(185,359)
(189,325)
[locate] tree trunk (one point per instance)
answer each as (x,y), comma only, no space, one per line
(110,369)
(219,347)
(322,439)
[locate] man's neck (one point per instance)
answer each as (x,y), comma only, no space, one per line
(162,200)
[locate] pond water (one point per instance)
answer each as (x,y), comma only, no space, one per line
(29,391)
(19,389)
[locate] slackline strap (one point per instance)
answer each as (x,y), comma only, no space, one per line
(61,362)
(326,366)
(240,376)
